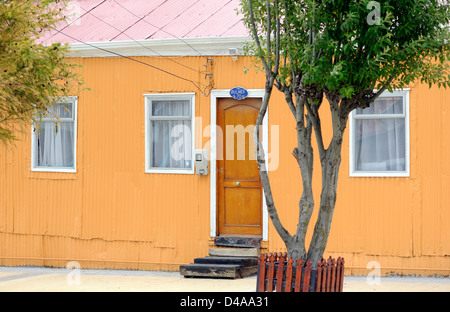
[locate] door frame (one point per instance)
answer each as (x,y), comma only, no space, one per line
(215,95)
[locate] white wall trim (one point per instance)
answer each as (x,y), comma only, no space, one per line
(34,165)
(215,94)
(157,47)
(352,171)
(168,96)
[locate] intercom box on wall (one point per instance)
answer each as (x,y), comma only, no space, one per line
(201,162)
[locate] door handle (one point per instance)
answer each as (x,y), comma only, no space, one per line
(237,183)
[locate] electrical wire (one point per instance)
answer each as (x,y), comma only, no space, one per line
(129,58)
(123,32)
(140,18)
(160,28)
(79,17)
(134,60)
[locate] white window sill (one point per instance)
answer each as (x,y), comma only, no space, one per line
(170,171)
(49,169)
(380,174)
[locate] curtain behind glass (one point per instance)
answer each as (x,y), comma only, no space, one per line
(62,110)
(383,106)
(380,143)
(55,148)
(171,108)
(171,139)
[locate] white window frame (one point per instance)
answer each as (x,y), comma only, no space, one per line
(148,118)
(353,116)
(34,153)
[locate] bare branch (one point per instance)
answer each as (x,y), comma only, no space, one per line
(260,158)
(288,96)
(255,35)
(384,88)
(315,120)
(277,38)
(269,30)
(366,97)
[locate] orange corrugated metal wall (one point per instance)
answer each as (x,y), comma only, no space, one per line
(112,214)
(401,223)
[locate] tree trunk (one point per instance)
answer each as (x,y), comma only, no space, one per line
(305,158)
(261,161)
(330,172)
(330,164)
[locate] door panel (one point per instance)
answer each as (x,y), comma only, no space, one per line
(248,200)
(238,182)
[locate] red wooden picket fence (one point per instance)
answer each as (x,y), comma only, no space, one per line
(277,273)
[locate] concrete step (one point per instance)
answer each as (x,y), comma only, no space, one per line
(235,252)
(244,242)
(217,270)
(224,263)
(245,261)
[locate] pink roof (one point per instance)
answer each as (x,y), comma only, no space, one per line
(118,20)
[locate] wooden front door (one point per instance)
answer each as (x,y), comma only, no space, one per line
(239,190)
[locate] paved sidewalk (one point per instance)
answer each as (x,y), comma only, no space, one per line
(36,279)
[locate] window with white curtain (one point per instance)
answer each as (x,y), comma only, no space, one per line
(54,141)
(170,133)
(379,137)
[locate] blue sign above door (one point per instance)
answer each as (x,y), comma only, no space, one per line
(238,93)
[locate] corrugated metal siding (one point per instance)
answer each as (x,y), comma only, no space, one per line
(433,154)
(403,223)
(112,214)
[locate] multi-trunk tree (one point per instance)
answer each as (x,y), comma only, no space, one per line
(343,54)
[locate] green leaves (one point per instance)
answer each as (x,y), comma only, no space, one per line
(352,46)
(32,76)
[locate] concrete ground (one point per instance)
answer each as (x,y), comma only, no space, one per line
(37,279)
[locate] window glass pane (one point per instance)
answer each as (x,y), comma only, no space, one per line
(383,105)
(62,110)
(171,145)
(55,145)
(171,108)
(380,145)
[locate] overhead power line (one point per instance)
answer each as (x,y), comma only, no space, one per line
(160,28)
(76,19)
(134,60)
(123,32)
